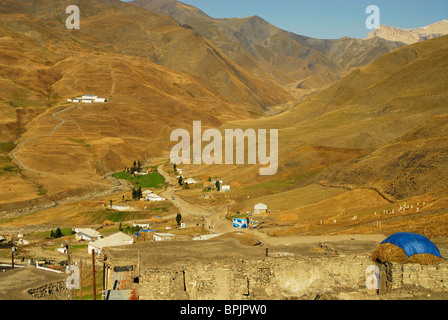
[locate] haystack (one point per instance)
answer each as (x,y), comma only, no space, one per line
(388,252)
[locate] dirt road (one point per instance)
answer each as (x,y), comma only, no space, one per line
(214,217)
(19,162)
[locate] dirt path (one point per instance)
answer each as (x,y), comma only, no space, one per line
(114,81)
(16,158)
(214,217)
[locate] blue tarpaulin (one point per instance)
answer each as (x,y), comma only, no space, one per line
(413,243)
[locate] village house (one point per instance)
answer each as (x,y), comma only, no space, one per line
(154,197)
(117,239)
(121,207)
(190,181)
(163,236)
(88,98)
(225,188)
(141,225)
(87,234)
(260,208)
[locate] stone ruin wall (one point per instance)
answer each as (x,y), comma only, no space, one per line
(270,279)
(282,278)
(267,279)
(432,277)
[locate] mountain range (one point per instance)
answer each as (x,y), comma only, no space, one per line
(255,44)
(410,36)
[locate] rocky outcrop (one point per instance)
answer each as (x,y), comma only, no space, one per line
(410,36)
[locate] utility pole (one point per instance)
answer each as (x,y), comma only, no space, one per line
(69,259)
(13,249)
(93,274)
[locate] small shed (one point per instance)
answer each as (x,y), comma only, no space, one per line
(260,208)
(163,236)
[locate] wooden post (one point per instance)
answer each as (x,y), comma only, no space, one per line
(93,274)
(80,279)
(12,257)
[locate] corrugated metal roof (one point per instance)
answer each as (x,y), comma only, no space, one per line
(120,295)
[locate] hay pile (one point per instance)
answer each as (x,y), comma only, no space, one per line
(388,252)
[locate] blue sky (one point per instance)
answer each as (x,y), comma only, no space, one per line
(328,19)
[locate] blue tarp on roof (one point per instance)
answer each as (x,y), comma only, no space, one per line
(413,243)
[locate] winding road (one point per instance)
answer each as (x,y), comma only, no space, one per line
(16,158)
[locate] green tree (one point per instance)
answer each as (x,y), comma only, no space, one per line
(178,219)
(139,193)
(217,185)
(58,233)
(180,180)
(51,234)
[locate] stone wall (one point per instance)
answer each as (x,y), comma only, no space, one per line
(270,278)
(51,291)
(432,277)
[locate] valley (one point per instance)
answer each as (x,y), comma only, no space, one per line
(362,128)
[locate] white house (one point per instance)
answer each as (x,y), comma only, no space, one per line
(99,100)
(86,101)
(141,225)
(75,100)
(115,240)
(89,96)
(87,234)
(146,192)
(225,188)
(207,236)
(69,100)
(62,250)
(260,208)
(121,207)
(163,236)
(154,197)
(190,181)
